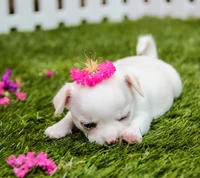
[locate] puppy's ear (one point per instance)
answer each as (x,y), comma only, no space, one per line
(62,98)
(133,82)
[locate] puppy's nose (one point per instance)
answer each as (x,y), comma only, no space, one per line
(112,141)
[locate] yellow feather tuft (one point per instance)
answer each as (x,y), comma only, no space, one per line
(91,65)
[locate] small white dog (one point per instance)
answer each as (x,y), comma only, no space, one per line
(123,106)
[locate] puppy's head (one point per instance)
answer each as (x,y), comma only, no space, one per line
(101,112)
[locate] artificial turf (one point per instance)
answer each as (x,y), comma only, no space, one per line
(172,146)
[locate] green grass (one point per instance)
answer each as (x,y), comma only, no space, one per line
(172,146)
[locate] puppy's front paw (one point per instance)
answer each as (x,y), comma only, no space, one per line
(56,131)
(132,136)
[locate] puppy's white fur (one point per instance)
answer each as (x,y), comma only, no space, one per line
(142,88)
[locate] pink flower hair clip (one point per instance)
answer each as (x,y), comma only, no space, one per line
(93,73)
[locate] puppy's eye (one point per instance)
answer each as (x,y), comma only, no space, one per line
(123,118)
(89,126)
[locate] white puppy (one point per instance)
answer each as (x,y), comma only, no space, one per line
(123,106)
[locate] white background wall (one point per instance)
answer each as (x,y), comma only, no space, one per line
(25,16)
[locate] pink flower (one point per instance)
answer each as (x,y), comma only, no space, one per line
(21,171)
(50,166)
(40,159)
(2,84)
(11,161)
(46,164)
(20,96)
(23,163)
(4,101)
(83,77)
(1,87)
(20,160)
(30,160)
(49,73)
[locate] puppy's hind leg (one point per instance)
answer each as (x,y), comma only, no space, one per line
(60,129)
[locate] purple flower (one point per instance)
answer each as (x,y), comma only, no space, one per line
(7,75)
(12,87)
(8,85)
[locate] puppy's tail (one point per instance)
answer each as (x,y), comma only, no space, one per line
(146,46)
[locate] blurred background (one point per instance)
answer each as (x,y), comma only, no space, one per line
(26,15)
